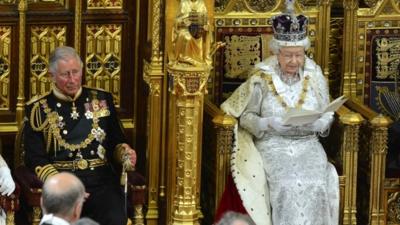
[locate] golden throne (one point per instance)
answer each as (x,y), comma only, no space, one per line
(245,29)
(375,28)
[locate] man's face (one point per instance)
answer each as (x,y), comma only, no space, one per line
(291,59)
(68,77)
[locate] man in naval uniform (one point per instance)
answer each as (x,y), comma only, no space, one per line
(76,129)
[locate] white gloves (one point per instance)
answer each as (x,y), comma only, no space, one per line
(322,124)
(273,123)
(7,184)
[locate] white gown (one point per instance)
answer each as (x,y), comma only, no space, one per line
(303,185)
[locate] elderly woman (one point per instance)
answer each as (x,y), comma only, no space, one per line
(280,171)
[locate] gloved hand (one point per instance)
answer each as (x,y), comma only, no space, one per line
(274,123)
(322,124)
(7,184)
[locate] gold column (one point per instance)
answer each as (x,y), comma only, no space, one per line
(22,8)
(224,125)
(78,27)
(378,150)
(349,151)
(350,48)
(322,53)
(155,78)
(187,91)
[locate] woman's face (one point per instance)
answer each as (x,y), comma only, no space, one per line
(291,59)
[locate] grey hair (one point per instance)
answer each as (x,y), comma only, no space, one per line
(85,221)
(276,45)
(230,217)
(62,202)
(62,53)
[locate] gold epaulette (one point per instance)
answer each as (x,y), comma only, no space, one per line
(46,171)
(37,98)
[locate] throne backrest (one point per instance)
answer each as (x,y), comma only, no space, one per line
(246,29)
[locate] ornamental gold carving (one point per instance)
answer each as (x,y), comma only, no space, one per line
(105,4)
(44,39)
(103,57)
(5,59)
(188,82)
(191,36)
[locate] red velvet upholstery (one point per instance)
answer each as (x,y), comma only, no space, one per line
(230,200)
(31,185)
(11,203)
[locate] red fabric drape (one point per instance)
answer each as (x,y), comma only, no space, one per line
(230,200)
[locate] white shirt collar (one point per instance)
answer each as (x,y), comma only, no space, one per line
(50,218)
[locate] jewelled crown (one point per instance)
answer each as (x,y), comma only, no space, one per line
(288,26)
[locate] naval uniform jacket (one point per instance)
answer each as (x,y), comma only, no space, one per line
(81,137)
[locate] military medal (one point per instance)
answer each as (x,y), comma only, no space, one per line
(74,114)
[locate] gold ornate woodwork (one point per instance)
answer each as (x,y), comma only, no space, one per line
(10,219)
(105,4)
(378,150)
(335,56)
(392,200)
(61,2)
(7,2)
(78,26)
(246,30)
(216,150)
(187,89)
(349,151)
(154,77)
(103,58)
(22,8)
(44,39)
(349,49)
(5,59)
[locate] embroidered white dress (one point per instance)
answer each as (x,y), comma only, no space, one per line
(302,185)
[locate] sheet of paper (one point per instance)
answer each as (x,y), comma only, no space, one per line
(298,117)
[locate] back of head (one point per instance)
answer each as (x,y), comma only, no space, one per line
(61,193)
(62,53)
(85,221)
(234,218)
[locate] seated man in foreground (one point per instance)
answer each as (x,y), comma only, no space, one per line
(76,129)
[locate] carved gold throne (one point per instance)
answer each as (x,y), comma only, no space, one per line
(245,29)
(373,81)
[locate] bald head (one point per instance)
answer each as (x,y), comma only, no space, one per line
(62,193)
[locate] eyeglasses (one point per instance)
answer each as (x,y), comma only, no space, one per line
(71,73)
(289,55)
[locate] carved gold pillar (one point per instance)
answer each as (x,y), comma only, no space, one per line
(322,56)
(378,150)
(78,26)
(351,122)
(350,48)
(224,125)
(187,89)
(22,8)
(154,77)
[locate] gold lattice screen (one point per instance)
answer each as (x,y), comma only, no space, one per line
(44,39)
(5,50)
(103,57)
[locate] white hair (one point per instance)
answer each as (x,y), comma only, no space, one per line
(275,45)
